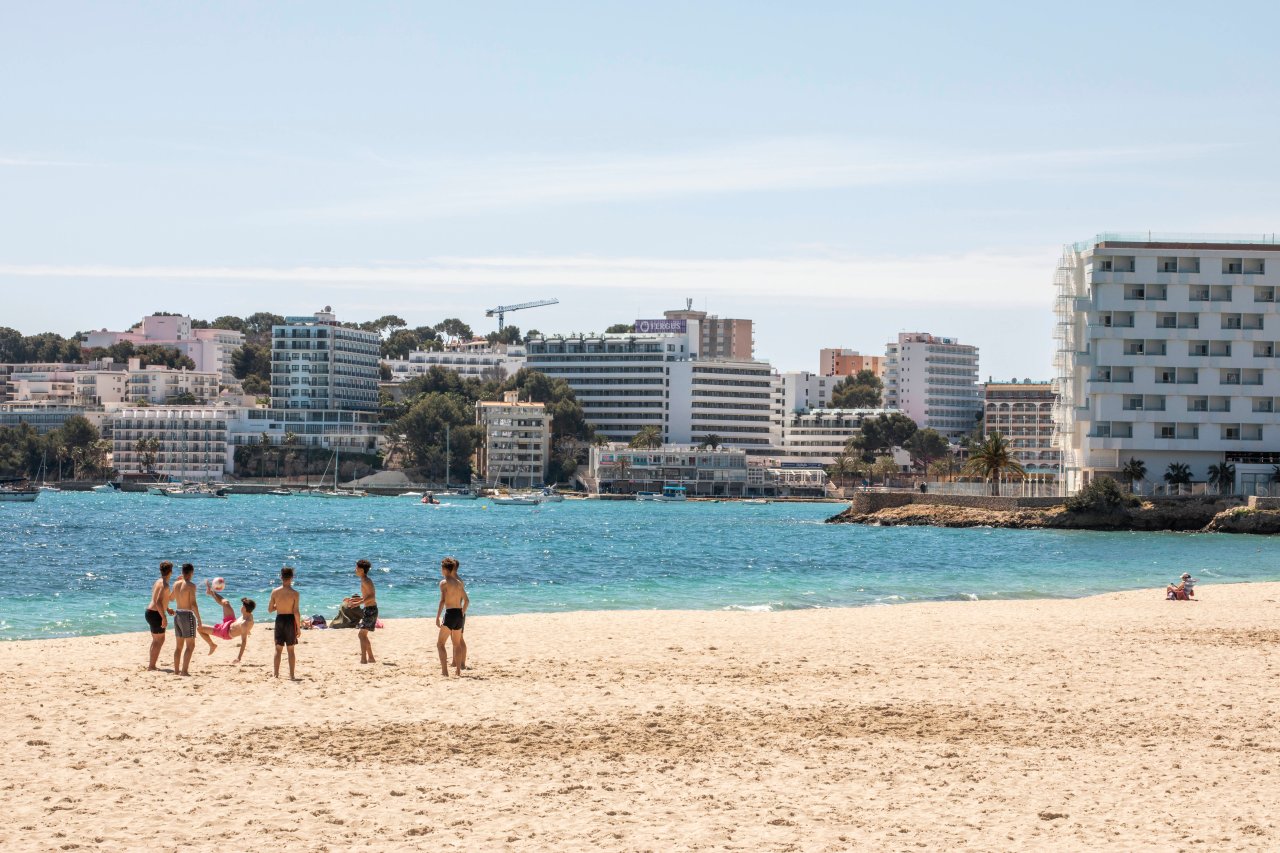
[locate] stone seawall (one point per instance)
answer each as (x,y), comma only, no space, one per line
(864,503)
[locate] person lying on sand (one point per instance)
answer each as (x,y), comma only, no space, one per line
(230,627)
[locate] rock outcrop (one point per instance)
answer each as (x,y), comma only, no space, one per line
(1209,515)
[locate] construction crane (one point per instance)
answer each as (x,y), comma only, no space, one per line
(502,310)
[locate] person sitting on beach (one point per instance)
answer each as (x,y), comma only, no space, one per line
(157,610)
(284,603)
(1184,591)
(230,627)
(367,599)
(186,617)
(453,605)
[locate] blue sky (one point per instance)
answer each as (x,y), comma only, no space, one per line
(838,172)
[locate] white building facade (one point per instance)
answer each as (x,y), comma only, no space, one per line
(1022,412)
(485,362)
(191,441)
(819,435)
(1166,353)
(626,382)
(934,381)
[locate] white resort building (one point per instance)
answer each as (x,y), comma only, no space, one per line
(210,349)
(1167,353)
(934,381)
(626,382)
(476,359)
(318,364)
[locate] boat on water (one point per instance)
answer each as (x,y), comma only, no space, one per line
(18,491)
(409,495)
(648,496)
(429,500)
(283,493)
(672,494)
(196,493)
(461,495)
(754,501)
(45,487)
(550,495)
(336,492)
(104,487)
(517,500)
(161,490)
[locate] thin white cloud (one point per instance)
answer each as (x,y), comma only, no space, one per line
(35,161)
(450,187)
(974,278)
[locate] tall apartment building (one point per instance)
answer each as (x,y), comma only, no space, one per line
(718,337)
(1022,412)
(819,435)
(1167,353)
(934,381)
(626,382)
(848,362)
(192,441)
(210,349)
(517,442)
(318,364)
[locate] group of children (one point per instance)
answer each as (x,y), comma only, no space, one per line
(181,601)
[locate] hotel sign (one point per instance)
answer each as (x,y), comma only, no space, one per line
(659,327)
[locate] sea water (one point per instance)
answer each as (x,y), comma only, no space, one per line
(83,563)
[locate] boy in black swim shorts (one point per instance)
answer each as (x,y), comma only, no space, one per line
(285,604)
(368,599)
(451,616)
(157,612)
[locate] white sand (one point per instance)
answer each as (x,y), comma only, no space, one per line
(1122,721)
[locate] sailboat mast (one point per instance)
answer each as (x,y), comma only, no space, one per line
(447,449)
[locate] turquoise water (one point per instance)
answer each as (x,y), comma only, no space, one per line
(82,563)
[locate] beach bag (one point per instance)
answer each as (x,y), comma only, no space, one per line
(348,617)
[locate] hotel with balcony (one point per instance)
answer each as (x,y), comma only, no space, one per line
(626,382)
(1022,412)
(934,381)
(516,448)
(1166,352)
(318,364)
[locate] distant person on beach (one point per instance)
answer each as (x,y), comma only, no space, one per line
(453,606)
(284,603)
(368,599)
(186,617)
(1184,591)
(230,627)
(158,610)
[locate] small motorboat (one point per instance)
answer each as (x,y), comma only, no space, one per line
(104,487)
(551,496)
(283,493)
(754,501)
(517,500)
(409,495)
(648,496)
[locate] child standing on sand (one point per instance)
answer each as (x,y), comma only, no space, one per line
(284,603)
(453,606)
(157,620)
(368,599)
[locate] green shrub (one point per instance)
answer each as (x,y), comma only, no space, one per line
(1102,495)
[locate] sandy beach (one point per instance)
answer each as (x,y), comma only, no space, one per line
(1121,720)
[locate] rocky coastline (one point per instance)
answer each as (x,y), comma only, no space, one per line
(1209,515)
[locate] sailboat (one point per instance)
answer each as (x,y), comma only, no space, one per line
(336,492)
(44,472)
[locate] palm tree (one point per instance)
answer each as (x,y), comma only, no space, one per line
(290,439)
(623,466)
(1223,476)
(147,448)
(648,438)
(943,468)
(1177,474)
(711,441)
(264,444)
(1135,471)
(993,460)
(600,440)
(842,466)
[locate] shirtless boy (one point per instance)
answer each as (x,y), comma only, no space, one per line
(186,617)
(284,603)
(230,627)
(453,606)
(158,610)
(368,599)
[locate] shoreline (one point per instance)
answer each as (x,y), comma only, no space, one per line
(419,621)
(1017,724)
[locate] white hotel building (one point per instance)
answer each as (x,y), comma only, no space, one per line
(934,381)
(476,359)
(626,382)
(1167,353)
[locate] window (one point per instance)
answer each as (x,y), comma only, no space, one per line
(1166,430)
(1232,266)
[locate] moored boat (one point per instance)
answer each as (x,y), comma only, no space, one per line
(517,500)
(18,491)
